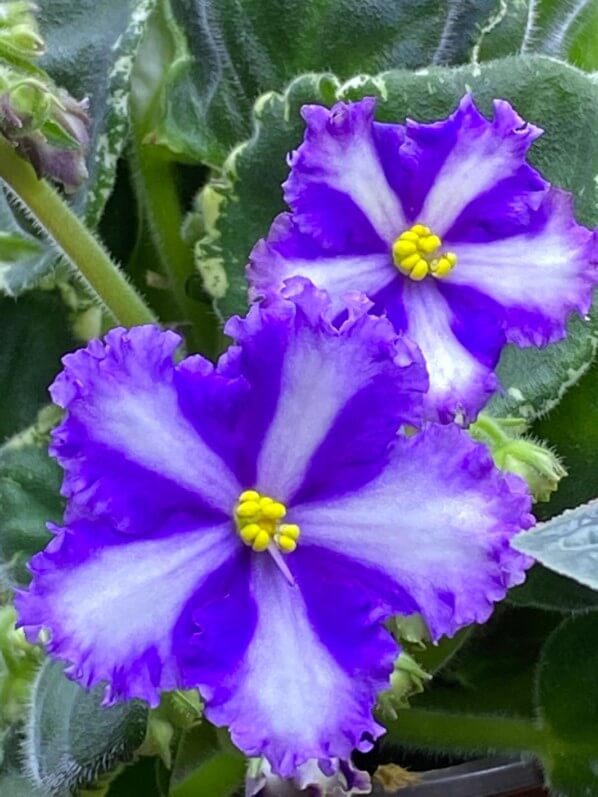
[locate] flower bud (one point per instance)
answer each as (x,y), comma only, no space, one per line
(19,35)
(19,662)
(407,679)
(48,127)
(535,462)
(411,629)
(531,459)
(43,122)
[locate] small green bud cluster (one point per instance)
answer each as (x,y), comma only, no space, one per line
(407,679)
(514,452)
(19,35)
(19,662)
(43,122)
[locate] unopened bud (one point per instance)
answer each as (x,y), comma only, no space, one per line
(513,452)
(43,122)
(49,128)
(536,463)
(20,39)
(410,628)
(407,679)
(19,662)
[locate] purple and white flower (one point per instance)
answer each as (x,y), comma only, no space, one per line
(248,528)
(313,779)
(445,226)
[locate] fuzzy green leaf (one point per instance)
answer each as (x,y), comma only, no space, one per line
(565,30)
(98,67)
(567,697)
(22,261)
(72,740)
(228,53)
(29,499)
(34,336)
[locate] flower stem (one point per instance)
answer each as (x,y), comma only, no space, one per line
(155,184)
(466,733)
(78,244)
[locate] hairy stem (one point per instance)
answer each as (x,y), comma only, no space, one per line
(466,733)
(158,196)
(78,244)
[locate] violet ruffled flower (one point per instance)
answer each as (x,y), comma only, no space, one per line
(248,528)
(445,226)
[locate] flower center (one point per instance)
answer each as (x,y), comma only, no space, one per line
(416,252)
(258,517)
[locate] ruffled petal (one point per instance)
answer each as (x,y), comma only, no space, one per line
(338,188)
(114,604)
(127,445)
(461,344)
(287,253)
(314,778)
(307,685)
(536,279)
(335,395)
(450,163)
(436,523)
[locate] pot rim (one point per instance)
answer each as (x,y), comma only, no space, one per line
(488,777)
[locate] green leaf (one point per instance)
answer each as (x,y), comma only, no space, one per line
(493,673)
(204,766)
(98,67)
(14,785)
(21,254)
(34,336)
(567,107)
(572,429)
(567,544)
(567,696)
(12,781)
(236,51)
(535,380)
(72,740)
(29,496)
(142,779)
(547,590)
(568,31)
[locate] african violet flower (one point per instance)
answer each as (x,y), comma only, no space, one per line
(248,528)
(445,226)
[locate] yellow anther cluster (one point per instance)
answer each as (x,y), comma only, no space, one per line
(416,253)
(258,521)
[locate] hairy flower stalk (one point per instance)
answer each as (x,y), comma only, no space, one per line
(250,528)
(445,226)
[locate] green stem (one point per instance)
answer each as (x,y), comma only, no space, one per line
(159,198)
(486,430)
(466,733)
(75,241)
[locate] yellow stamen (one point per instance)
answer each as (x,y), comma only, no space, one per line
(286,544)
(258,517)
(291,530)
(249,495)
(416,253)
